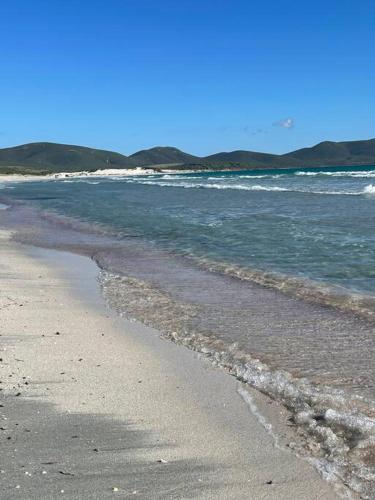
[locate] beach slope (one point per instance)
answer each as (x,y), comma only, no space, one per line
(95,406)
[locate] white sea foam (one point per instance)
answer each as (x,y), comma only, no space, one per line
(79,181)
(245,187)
(265,176)
(307,173)
(249,400)
(328,416)
(190,185)
(355,173)
(370,189)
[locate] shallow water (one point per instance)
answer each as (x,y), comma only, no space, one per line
(203,257)
(318,225)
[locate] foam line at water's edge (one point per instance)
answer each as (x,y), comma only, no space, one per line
(326,469)
(328,416)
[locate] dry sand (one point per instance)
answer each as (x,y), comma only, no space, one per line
(95,406)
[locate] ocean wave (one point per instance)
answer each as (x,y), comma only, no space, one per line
(265,176)
(243,187)
(77,180)
(167,176)
(354,173)
(339,428)
(311,291)
(255,187)
(176,176)
(190,185)
(370,189)
(249,176)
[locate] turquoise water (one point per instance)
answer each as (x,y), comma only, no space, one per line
(203,257)
(314,224)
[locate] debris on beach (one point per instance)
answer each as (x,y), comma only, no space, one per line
(66,473)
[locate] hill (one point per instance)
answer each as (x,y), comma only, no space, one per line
(349,152)
(249,158)
(44,157)
(49,157)
(161,156)
(323,154)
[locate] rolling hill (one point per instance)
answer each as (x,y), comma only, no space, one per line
(50,157)
(351,151)
(45,157)
(323,154)
(161,156)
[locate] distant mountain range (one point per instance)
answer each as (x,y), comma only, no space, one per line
(46,157)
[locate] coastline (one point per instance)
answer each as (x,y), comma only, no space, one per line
(108,173)
(160,290)
(213,445)
(166,169)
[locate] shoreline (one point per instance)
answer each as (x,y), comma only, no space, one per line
(164,170)
(324,423)
(209,453)
(109,173)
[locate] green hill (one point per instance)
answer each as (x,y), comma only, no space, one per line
(323,154)
(49,157)
(44,157)
(358,152)
(249,158)
(161,156)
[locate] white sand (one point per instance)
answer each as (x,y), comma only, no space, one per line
(107,399)
(110,172)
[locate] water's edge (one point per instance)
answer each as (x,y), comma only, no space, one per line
(340,440)
(327,431)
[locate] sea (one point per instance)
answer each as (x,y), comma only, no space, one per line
(269,274)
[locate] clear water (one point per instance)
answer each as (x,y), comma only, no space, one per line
(203,257)
(318,225)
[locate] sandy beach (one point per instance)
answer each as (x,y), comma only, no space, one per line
(95,406)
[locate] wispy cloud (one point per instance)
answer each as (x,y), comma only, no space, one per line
(287,123)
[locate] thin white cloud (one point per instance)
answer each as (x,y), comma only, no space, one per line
(286,123)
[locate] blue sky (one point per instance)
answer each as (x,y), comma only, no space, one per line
(204,76)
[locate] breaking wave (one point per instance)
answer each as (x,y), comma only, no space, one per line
(339,428)
(356,174)
(370,189)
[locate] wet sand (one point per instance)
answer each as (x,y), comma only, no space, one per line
(95,406)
